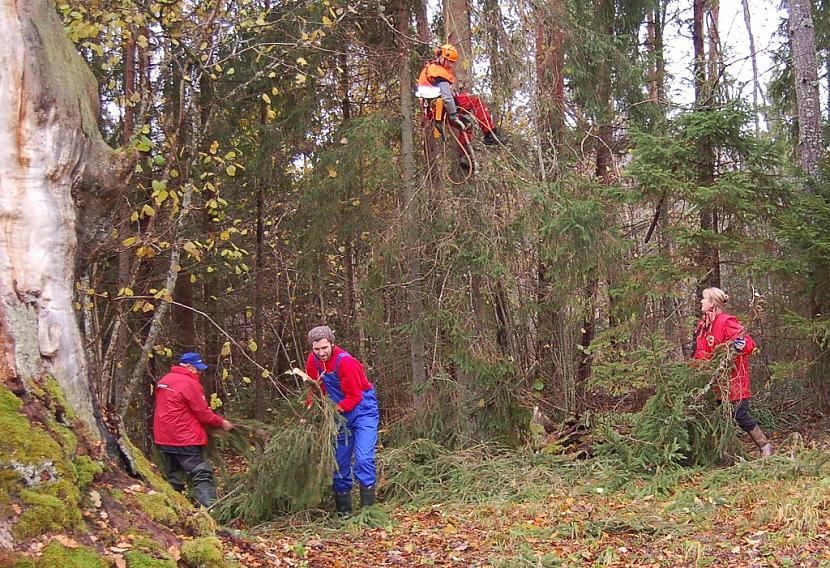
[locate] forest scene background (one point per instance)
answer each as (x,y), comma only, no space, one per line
(284,178)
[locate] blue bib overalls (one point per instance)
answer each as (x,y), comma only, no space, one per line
(357,437)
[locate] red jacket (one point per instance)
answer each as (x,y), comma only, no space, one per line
(352,377)
(181,410)
(724,329)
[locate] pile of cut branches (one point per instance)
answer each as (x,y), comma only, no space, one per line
(682,424)
(291,473)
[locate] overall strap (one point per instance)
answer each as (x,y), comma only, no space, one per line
(320,370)
(337,361)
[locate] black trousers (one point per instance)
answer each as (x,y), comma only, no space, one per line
(191,461)
(740,409)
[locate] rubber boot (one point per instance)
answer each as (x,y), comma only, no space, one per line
(367,496)
(495,137)
(761,441)
(343,503)
(464,163)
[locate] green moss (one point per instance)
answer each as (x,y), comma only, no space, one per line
(57,554)
(44,513)
(204,553)
(157,508)
(143,542)
(21,441)
(200,523)
(136,559)
(25,563)
(69,441)
(56,400)
(174,499)
(86,469)
(118,495)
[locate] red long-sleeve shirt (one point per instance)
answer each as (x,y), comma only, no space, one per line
(352,377)
(726,328)
(181,410)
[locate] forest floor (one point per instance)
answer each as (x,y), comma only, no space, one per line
(773,512)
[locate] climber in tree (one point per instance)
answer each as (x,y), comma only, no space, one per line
(441,104)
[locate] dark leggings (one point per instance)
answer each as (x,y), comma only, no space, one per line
(741,412)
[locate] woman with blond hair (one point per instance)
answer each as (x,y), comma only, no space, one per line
(718,327)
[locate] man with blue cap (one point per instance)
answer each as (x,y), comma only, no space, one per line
(181,415)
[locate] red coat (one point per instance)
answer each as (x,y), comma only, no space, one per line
(724,329)
(181,410)
(352,377)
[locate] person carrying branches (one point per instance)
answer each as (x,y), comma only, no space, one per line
(717,327)
(179,421)
(442,105)
(343,380)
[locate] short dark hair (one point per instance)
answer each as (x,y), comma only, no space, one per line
(319,333)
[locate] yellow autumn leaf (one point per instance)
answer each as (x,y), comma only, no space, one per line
(252,346)
(300,79)
(301,61)
(129,242)
(266,373)
(246,380)
(327,21)
(226,349)
(231,170)
(266,98)
(332,172)
(214,146)
(148,211)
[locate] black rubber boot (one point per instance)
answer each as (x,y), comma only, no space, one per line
(495,137)
(367,495)
(464,164)
(343,503)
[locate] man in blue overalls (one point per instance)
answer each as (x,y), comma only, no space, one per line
(343,379)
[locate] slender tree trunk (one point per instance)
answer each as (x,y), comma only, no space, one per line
(805,64)
(417,344)
(261,385)
(754,59)
(708,256)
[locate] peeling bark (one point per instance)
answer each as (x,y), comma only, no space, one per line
(54,168)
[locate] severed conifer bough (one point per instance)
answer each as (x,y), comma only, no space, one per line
(292,473)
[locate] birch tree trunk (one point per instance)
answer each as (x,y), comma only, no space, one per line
(806,85)
(54,168)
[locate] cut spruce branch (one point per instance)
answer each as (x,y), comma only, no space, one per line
(293,472)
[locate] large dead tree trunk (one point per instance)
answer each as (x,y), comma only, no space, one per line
(54,167)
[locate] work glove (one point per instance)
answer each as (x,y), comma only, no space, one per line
(739,344)
(456,122)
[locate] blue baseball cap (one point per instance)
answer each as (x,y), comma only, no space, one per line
(193,359)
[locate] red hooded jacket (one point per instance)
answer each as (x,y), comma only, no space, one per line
(181,410)
(725,328)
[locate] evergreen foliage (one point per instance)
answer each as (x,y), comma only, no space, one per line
(292,472)
(682,424)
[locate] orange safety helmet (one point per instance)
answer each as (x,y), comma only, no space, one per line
(447,51)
